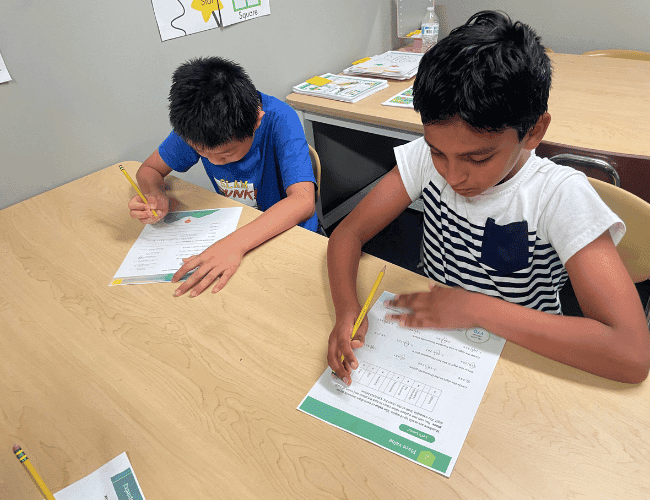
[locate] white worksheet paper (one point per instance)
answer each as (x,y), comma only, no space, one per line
(415,392)
(160,249)
(112,481)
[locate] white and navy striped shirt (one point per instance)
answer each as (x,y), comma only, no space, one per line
(513,240)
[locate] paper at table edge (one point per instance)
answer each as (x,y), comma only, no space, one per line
(104,482)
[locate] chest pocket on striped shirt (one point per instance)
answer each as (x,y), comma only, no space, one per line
(505,248)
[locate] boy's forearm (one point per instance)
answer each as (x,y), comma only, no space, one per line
(343,255)
(583,343)
(285,214)
(150,180)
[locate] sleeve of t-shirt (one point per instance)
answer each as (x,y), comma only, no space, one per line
(177,154)
(291,150)
(414,163)
(575,216)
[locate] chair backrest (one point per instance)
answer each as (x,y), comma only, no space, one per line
(581,161)
(638,55)
(315,164)
(634,248)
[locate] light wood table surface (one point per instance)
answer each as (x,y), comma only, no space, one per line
(598,103)
(202,393)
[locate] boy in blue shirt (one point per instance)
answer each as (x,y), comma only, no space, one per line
(503,228)
(253,149)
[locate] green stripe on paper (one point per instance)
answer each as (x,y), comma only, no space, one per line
(125,486)
(377,435)
(154,278)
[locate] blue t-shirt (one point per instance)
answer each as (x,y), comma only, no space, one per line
(278,158)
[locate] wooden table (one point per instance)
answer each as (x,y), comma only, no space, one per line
(599,106)
(202,393)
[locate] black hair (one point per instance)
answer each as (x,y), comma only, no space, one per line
(212,101)
(490,72)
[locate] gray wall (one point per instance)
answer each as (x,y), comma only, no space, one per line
(90,83)
(568,26)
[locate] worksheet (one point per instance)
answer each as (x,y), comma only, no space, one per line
(415,392)
(161,247)
(113,481)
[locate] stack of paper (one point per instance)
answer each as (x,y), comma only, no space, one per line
(341,88)
(392,64)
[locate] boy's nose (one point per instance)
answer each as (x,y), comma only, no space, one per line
(215,159)
(455,174)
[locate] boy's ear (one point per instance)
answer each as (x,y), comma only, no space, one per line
(260,114)
(536,134)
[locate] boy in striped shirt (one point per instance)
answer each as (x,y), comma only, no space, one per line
(503,228)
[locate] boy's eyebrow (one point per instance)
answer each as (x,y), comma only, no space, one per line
(477,152)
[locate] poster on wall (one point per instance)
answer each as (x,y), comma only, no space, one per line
(178,18)
(4,74)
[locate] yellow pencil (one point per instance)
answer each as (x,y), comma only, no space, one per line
(137,189)
(362,314)
(22,458)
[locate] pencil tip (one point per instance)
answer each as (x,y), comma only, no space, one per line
(383,269)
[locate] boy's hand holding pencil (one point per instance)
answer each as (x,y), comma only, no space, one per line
(344,339)
(146,208)
(340,355)
(156,207)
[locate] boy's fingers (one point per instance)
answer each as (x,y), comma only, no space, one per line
(349,359)
(136,203)
(223,279)
(186,268)
(334,360)
(204,283)
(139,214)
(396,301)
(361,332)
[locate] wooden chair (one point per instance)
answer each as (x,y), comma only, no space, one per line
(620,53)
(315,164)
(585,163)
(634,248)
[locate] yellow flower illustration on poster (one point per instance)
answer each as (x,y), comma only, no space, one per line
(206,7)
